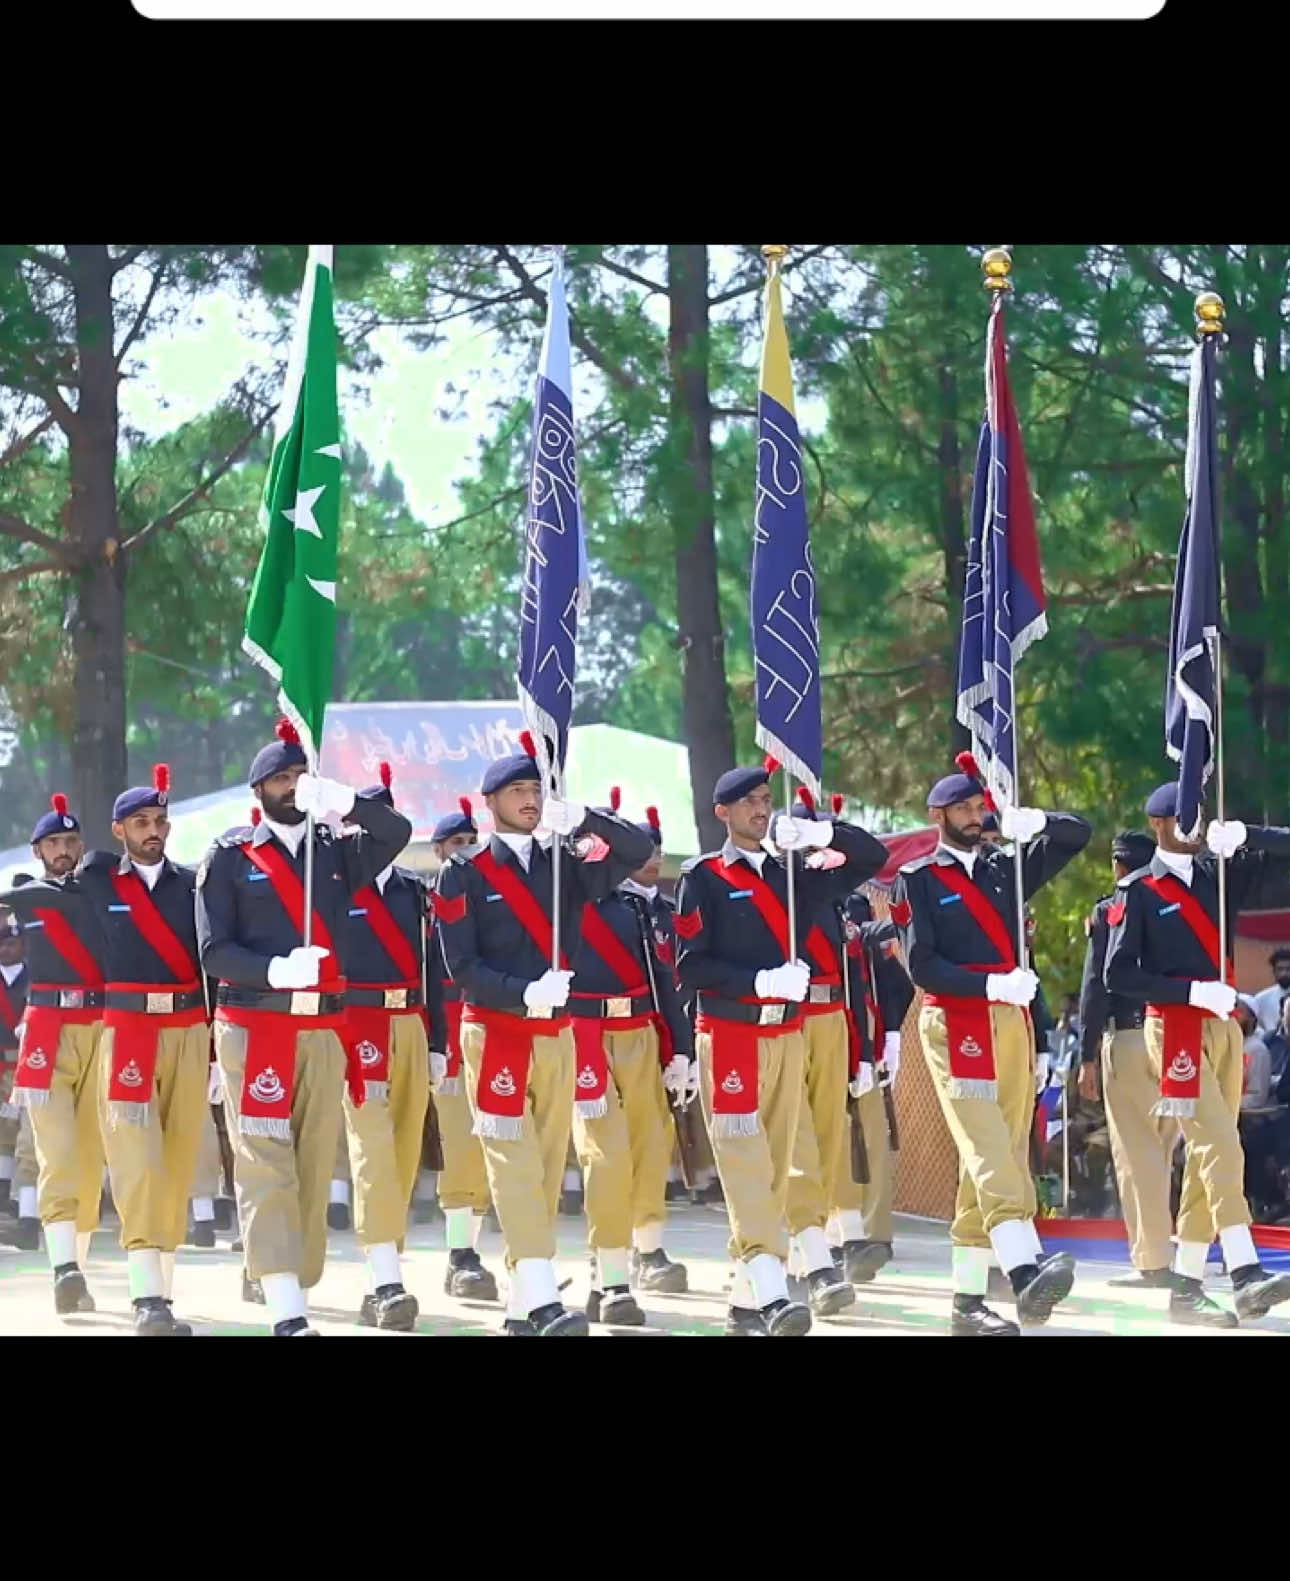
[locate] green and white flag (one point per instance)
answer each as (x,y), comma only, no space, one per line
(291,618)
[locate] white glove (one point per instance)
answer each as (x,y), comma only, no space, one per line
(1216,997)
(862,1081)
(891,1053)
(796,834)
(438,1068)
(215,1086)
(691,1083)
(1017,987)
(676,1074)
(1042,1067)
(1226,839)
(324,798)
(562,817)
(549,991)
(1022,823)
(299,969)
(789,981)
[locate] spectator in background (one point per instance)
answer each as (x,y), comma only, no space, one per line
(1278,1043)
(1268,1002)
(1256,1086)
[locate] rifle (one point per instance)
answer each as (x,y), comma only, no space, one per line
(859,1153)
(684,1141)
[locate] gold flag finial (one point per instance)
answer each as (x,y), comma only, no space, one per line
(996,265)
(1209,313)
(774,253)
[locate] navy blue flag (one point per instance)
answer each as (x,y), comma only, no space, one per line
(555,560)
(1004,607)
(785,626)
(1192,679)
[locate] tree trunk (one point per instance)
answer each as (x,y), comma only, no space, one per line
(707,722)
(96,617)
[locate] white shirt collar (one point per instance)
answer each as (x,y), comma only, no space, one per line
(633,888)
(1180,865)
(521,844)
(291,834)
(10,972)
(967,858)
(149,873)
(383,878)
(730,852)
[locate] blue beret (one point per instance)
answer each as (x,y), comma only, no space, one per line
(990,823)
(508,771)
(381,792)
(56,821)
(735,784)
(284,753)
(136,799)
(460,822)
(1133,847)
(653,830)
(1163,801)
(954,787)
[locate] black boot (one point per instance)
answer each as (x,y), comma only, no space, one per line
(786,1319)
(615,1307)
(1145,1279)
(391,1307)
(1040,1286)
(152,1316)
(571,1204)
(861,1260)
(828,1292)
(1188,1303)
(656,1271)
(8,1206)
(202,1234)
(338,1216)
(223,1213)
(970,1316)
(555,1322)
(70,1292)
(746,1323)
(467,1278)
(675,1191)
(296,1327)
(1256,1291)
(24,1235)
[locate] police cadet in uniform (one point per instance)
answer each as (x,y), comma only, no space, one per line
(13,1001)
(957,912)
(733,943)
(633,1047)
(57,1075)
(881,994)
(1142,1143)
(385,970)
(1164,952)
(495,912)
(280,1008)
(463,1180)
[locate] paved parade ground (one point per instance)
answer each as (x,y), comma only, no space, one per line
(910,1296)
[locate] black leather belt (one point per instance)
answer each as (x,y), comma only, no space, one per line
(610,1009)
(384,998)
(1129,1023)
(66,998)
(776,1015)
(296,1002)
(158,1002)
(824,994)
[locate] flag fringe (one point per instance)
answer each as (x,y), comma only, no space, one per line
(268,663)
(788,759)
(542,726)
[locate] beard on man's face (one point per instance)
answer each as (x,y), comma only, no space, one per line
(282,809)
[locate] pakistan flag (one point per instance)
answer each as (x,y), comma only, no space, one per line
(291,618)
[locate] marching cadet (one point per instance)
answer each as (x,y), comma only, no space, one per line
(1163,952)
(495,913)
(57,1076)
(13,1001)
(463,1180)
(957,911)
(881,994)
(1142,1143)
(384,961)
(206,1181)
(280,1008)
(633,1047)
(732,929)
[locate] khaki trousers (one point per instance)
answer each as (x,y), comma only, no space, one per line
(754,1170)
(524,1177)
(1142,1146)
(873,1201)
(282,1186)
(8,1128)
(463,1181)
(1213,1189)
(26,1171)
(821,1146)
(68,1141)
(624,1155)
(210,1161)
(992,1137)
(152,1165)
(385,1134)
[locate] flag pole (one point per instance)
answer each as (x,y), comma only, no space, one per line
(309,864)
(557,779)
(1210,310)
(996,265)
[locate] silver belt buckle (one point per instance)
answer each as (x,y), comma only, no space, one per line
(71,998)
(821,994)
(772,1015)
(396,999)
(617,1008)
(160,1004)
(540,1012)
(305,1002)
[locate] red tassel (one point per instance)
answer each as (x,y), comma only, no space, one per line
(806,799)
(256,815)
(161,777)
(59,803)
(464,803)
(386,773)
(615,798)
(651,818)
(835,801)
(966,764)
(286,731)
(770,764)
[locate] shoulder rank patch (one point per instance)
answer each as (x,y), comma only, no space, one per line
(1115,913)
(448,910)
(902,913)
(689,923)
